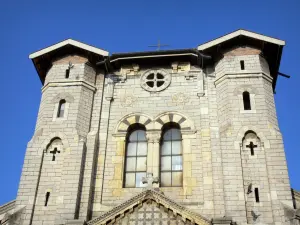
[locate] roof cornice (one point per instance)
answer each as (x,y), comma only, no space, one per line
(69,42)
(241,32)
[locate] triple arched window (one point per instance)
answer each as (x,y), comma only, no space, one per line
(171,174)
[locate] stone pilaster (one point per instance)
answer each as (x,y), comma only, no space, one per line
(153,157)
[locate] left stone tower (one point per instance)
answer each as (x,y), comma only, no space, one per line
(56,176)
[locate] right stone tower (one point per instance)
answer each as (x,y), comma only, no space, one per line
(252,152)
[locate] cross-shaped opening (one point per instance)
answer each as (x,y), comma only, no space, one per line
(54,153)
(155,80)
(251,146)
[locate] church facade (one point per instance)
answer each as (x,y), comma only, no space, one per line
(185,136)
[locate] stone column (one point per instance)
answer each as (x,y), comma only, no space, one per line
(153,155)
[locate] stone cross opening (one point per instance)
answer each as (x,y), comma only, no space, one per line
(54,153)
(251,146)
(150,180)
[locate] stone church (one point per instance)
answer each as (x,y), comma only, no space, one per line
(186,136)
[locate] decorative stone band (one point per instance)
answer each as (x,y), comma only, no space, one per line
(243,75)
(69,83)
(153,124)
(143,197)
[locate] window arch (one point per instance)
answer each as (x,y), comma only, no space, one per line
(251,142)
(246,100)
(136,156)
(61,108)
(171,156)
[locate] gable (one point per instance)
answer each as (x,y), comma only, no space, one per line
(150,207)
(150,212)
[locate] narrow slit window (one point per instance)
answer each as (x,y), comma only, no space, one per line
(47,198)
(256,194)
(67,73)
(61,108)
(242,63)
(246,100)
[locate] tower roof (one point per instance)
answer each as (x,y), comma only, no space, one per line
(271,48)
(43,58)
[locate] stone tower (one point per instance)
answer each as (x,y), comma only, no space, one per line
(184,136)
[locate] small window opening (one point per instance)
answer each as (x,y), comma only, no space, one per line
(67,73)
(47,198)
(160,83)
(150,83)
(61,108)
(242,64)
(246,100)
(256,194)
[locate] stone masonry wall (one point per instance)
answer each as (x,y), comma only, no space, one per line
(65,182)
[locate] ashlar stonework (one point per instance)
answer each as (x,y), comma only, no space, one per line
(185,136)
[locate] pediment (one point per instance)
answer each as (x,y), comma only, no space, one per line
(150,207)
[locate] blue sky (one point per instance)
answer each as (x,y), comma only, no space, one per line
(122,26)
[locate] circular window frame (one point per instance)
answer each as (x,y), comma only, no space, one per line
(155,83)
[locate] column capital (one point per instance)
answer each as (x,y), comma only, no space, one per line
(153,136)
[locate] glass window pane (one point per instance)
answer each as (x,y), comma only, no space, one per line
(62,106)
(176,134)
(138,181)
(166,148)
(141,164)
(141,135)
(165,179)
(130,180)
(177,179)
(176,148)
(133,136)
(168,135)
(130,164)
(166,163)
(176,162)
(142,148)
(131,149)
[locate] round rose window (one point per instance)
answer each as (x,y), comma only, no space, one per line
(155,80)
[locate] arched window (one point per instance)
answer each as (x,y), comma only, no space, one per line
(171,156)
(136,156)
(246,100)
(61,108)
(251,142)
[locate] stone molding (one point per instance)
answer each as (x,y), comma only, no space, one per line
(154,124)
(67,96)
(246,87)
(70,83)
(237,75)
(144,196)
